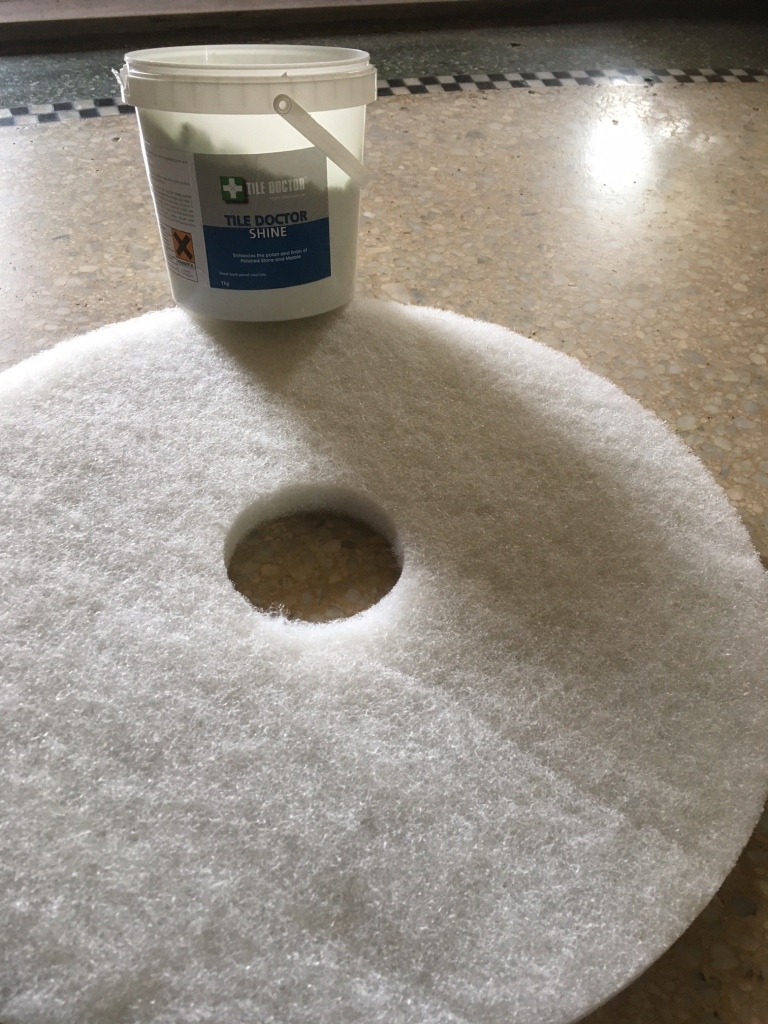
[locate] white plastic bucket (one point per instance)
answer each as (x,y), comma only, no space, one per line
(254,160)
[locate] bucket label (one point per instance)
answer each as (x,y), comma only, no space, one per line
(173,193)
(264,218)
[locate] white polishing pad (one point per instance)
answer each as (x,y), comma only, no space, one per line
(493,798)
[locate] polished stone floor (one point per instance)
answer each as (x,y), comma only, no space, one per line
(626,225)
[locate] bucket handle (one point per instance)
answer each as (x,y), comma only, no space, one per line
(306,125)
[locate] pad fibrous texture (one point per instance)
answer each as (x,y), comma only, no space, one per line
(492,798)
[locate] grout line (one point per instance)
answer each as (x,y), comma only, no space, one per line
(46,113)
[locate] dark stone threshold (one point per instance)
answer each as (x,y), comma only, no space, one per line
(367,16)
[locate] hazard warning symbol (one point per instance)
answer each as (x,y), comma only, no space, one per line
(183,245)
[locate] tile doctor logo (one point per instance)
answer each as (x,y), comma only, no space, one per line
(233,189)
(236,190)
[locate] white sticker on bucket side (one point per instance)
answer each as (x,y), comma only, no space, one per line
(265,218)
(172,179)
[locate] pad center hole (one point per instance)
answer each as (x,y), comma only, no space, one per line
(313,566)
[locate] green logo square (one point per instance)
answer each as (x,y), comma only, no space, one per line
(233,190)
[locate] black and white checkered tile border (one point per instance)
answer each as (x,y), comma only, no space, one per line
(543,79)
(44,113)
(77,110)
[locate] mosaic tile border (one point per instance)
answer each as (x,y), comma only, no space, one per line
(543,79)
(76,110)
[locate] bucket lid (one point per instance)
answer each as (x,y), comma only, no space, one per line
(244,79)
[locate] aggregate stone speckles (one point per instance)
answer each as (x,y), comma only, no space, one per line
(625,227)
(313,567)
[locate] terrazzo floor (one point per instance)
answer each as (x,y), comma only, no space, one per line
(625,225)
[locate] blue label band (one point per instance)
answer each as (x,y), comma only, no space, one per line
(267,257)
